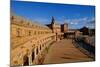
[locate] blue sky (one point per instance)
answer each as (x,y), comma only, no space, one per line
(76,16)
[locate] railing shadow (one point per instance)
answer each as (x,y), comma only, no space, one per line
(86,47)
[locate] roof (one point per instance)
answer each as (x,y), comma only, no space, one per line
(29,21)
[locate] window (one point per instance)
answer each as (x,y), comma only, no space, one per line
(33,55)
(12,18)
(29,33)
(34,32)
(38,32)
(18,32)
(37,50)
(40,47)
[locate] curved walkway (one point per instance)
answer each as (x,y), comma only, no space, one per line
(65,52)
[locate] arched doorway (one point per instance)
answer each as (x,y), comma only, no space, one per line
(25,60)
(33,55)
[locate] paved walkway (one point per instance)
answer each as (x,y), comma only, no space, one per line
(64,52)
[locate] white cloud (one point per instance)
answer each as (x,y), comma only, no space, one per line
(83,20)
(91,23)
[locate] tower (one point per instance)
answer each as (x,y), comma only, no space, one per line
(53,24)
(53,20)
(65,28)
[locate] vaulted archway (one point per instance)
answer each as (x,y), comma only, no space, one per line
(33,55)
(25,60)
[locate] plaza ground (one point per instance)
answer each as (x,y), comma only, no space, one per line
(64,52)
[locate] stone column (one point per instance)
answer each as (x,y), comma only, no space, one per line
(30,59)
